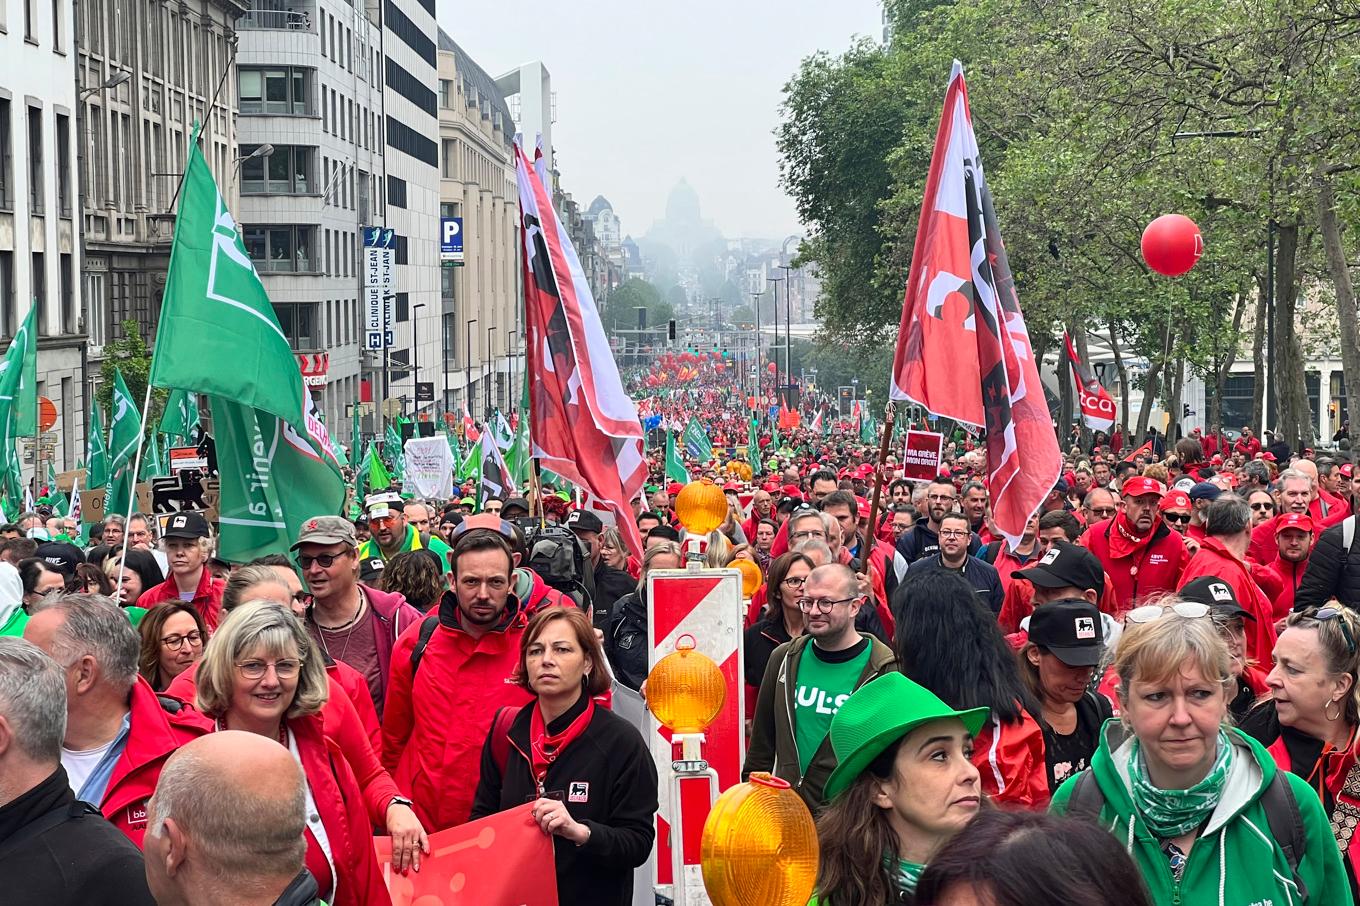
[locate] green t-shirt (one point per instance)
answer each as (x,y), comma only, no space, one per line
(135,614)
(14,626)
(825,681)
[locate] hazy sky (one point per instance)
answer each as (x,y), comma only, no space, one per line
(648,92)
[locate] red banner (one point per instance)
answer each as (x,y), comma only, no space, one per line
(1097,408)
(501,859)
(922,456)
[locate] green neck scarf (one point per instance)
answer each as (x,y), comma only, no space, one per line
(1171,813)
(905,873)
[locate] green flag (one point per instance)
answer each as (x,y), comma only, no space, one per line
(355,440)
(697,444)
(378,478)
(125,425)
(675,465)
(153,464)
(868,432)
(218,335)
(753,448)
(19,387)
(96,456)
(471,466)
(392,447)
(181,415)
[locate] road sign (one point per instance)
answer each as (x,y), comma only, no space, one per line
(706,605)
(424,391)
(47,414)
(379,278)
(451,240)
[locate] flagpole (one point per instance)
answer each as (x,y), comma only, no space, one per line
(871,534)
(136,470)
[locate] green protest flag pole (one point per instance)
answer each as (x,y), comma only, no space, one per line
(355,439)
(753,448)
(96,454)
(675,465)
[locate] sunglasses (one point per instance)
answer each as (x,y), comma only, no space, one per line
(1263,506)
(1178,518)
(1191,610)
(1334,613)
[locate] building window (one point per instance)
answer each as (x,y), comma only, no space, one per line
(399,249)
(64,165)
(396,191)
(93,298)
(288,171)
(38,282)
(35,161)
(281,249)
(447,93)
(6,158)
(403,307)
(66,288)
(447,159)
(299,324)
(58,14)
(284,90)
(30,13)
(7,293)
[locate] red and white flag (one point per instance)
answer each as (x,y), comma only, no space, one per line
(582,424)
(963,351)
(470,432)
(1097,408)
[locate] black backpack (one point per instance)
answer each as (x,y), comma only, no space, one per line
(559,558)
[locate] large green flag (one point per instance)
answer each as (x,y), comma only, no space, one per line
(675,465)
(753,448)
(125,425)
(471,466)
(218,335)
(18,405)
(697,444)
(378,477)
(181,415)
(96,455)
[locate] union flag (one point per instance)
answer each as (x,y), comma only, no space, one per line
(1097,408)
(963,351)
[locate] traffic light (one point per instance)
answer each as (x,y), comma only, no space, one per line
(1186,410)
(670,330)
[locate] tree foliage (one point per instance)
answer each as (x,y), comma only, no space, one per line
(1082,109)
(130,355)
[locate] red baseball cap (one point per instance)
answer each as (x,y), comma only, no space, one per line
(1347,470)
(1174,500)
(1268,455)
(731,486)
(1301,521)
(792,490)
(1216,460)
(1140,485)
(674,487)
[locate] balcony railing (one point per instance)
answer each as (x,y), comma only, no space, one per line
(275,19)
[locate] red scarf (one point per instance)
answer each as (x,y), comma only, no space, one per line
(546,748)
(1123,541)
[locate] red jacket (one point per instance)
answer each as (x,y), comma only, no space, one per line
(156,728)
(1279,580)
(1213,559)
(1247,448)
(436,721)
(347,717)
(344,812)
(207,597)
(1150,568)
(1010,758)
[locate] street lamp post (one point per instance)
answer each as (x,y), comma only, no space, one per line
(490,370)
(775,309)
(467,369)
(415,356)
(755,303)
(788,322)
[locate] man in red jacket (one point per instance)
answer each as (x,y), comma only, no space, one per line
(1298,494)
(450,675)
(1280,578)
(118,731)
(350,621)
(1222,555)
(1141,556)
(1247,445)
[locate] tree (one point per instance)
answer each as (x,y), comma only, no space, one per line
(131,356)
(632,294)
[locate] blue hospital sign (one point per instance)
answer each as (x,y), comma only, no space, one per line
(451,239)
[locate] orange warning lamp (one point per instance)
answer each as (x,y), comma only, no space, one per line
(759,846)
(751,576)
(701,507)
(686,690)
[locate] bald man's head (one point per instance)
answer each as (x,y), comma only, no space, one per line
(229,809)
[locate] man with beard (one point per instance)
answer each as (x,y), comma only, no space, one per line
(1140,554)
(923,539)
(459,662)
(1280,578)
(1100,473)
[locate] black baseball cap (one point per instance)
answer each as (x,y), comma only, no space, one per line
(1065,565)
(62,557)
(188,524)
(1217,595)
(1071,630)
(584,521)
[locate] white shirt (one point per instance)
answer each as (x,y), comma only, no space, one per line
(80,765)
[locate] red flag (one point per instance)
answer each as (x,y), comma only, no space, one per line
(582,425)
(963,351)
(1097,408)
(1144,449)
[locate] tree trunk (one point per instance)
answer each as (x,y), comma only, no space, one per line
(1175,375)
(1295,425)
(1065,394)
(1258,360)
(1123,380)
(1078,335)
(1151,384)
(1345,292)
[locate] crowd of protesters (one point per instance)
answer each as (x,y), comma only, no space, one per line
(1167,652)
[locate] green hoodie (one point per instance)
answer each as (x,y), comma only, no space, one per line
(1235,862)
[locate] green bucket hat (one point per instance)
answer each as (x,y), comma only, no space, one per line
(878,714)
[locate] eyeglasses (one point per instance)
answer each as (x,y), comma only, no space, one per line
(176,642)
(1179,518)
(822,605)
(954,533)
(1191,610)
(811,533)
(1263,505)
(1104,512)
(284,668)
(795,581)
(1334,613)
(325,560)
(940,497)
(381,520)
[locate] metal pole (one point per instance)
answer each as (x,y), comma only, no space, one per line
(775,307)
(415,356)
(490,372)
(788,323)
(467,370)
(755,301)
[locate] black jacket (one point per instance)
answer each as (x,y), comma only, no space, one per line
(300,892)
(625,639)
(760,642)
(55,851)
(1332,572)
(921,541)
(607,779)
(984,578)
(610,585)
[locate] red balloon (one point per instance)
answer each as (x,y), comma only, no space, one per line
(772,368)
(1172,244)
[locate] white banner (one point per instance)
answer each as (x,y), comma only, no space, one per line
(429,467)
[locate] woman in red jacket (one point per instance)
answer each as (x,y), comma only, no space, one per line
(955,648)
(262,673)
